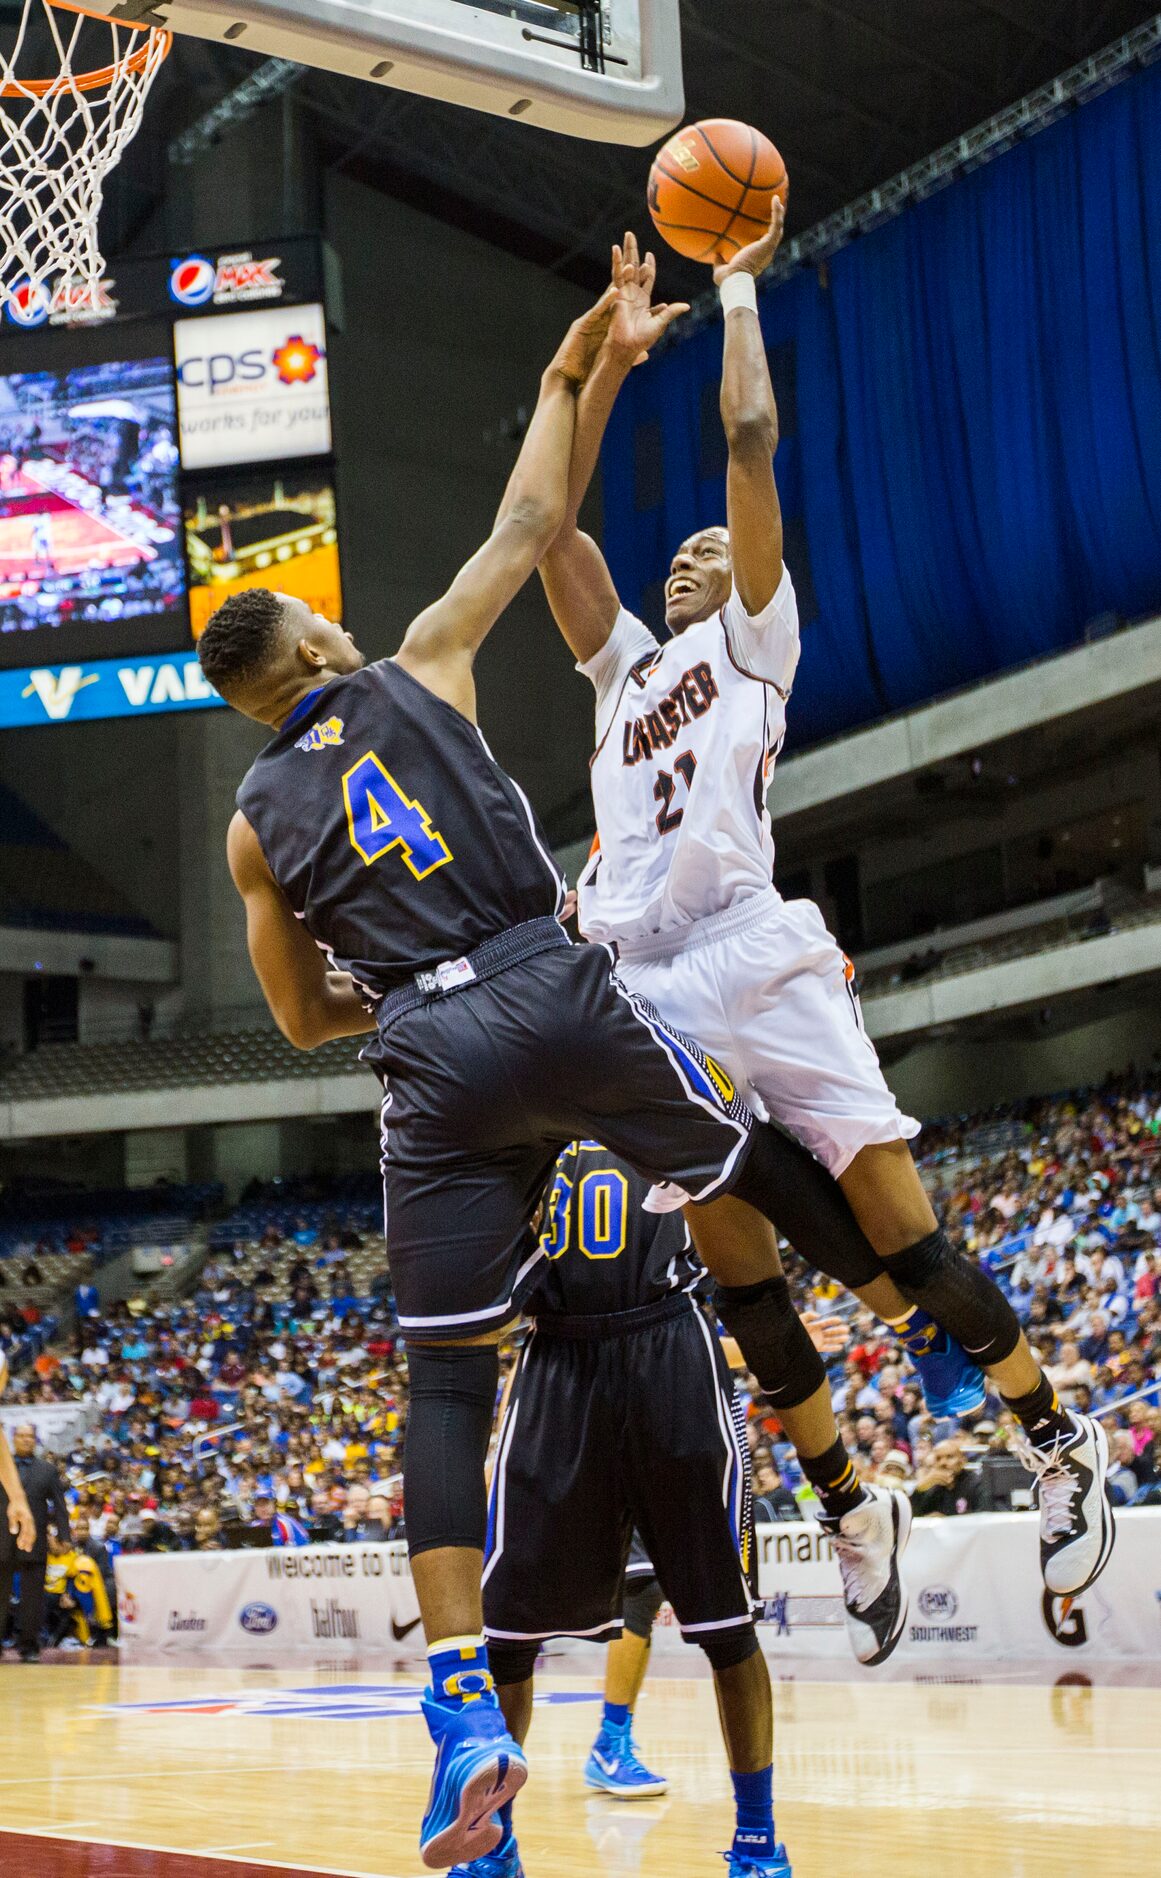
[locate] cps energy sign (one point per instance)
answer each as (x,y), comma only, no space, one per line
(252,387)
(61,694)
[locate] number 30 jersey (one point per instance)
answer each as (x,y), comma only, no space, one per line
(603,1252)
(687,734)
(394,834)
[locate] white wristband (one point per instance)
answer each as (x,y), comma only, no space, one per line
(738,290)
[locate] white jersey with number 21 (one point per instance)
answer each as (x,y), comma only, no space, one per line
(687,733)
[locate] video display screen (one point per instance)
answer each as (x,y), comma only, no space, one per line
(268,529)
(91,560)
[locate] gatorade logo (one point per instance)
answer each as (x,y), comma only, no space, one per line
(1065,1621)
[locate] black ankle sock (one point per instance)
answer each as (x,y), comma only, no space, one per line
(1040,1414)
(833,1477)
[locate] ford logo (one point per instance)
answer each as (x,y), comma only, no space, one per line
(258,1620)
(938,1601)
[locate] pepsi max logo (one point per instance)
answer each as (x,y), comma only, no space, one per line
(28,305)
(192,281)
(196,280)
(258,1620)
(938,1601)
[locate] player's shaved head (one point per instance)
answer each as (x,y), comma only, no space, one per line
(263,651)
(700,578)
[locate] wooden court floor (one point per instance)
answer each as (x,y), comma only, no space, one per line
(117,1772)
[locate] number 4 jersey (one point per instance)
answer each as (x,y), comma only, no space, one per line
(394,834)
(687,734)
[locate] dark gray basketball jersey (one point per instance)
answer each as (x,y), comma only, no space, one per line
(604,1253)
(391,829)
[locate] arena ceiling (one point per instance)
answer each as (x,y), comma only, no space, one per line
(852,91)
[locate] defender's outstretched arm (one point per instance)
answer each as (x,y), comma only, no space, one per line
(750,419)
(576,580)
(442,642)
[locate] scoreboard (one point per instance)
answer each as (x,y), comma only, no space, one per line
(164,441)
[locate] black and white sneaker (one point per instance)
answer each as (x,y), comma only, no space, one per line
(1076,1519)
(869,1544)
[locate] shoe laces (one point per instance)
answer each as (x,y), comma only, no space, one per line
(1057,1484)
(631,1762)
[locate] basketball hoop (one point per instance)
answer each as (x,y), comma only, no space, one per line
(63,134)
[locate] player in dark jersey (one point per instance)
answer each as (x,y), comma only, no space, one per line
(621,1416)
(376,835)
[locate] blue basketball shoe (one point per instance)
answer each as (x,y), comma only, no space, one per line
(952,1383)
(777,1866)
(478,1767)
(613,1767)
(492,1865)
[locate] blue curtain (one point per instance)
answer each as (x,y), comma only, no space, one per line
(970,466)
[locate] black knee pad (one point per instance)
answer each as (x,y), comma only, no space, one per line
(511,1661)
(449,1421)
(643,1599)
(725,1649)
(773,1340)
(962,1299)
(783,1180)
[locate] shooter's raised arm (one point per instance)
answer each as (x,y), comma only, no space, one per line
(750,421)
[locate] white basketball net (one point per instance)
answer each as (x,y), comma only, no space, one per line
(61,132)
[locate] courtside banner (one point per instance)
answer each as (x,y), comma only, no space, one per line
(975,1596)
(267,1606)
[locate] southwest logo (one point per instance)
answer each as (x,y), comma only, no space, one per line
(296,360)
(326,736)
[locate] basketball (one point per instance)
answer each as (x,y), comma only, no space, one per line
(711,188)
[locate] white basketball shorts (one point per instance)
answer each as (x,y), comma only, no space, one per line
(767,991)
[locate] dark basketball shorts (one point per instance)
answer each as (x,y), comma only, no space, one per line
(603,1436)
(482,1090)
(639,1566)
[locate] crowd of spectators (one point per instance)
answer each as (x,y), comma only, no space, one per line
(264,1409)
(1061,1200)
(269,1406)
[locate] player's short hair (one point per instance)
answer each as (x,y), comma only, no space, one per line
(241,638)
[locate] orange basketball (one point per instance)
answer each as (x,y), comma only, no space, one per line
(711,188)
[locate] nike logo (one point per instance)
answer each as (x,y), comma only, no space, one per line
(399,1631)
(606,1767)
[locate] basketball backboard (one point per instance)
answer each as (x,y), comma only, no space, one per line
(603,69)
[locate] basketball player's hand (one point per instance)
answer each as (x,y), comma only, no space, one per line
(637,324)
(829,1335)
(756,258)
(21,1525)
(578,351)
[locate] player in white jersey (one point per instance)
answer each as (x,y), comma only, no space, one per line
(681,885)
